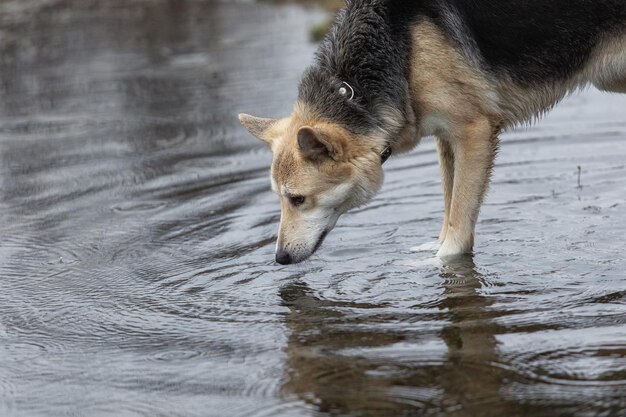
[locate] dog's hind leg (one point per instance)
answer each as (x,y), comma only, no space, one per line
(446,167)
(474,153)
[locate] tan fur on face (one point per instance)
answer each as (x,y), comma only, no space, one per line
(331,185)
(306,177)
(299,176)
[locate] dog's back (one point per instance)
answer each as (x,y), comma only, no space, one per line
(521,47)
(536,41)
(534,52)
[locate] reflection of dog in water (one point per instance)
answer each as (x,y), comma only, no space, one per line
(392,71)
(348,358)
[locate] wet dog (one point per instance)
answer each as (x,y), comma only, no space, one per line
(392,71)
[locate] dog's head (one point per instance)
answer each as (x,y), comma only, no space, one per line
(320,170)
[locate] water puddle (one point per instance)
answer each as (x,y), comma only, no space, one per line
(137,224)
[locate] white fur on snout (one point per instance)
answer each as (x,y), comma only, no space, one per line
(300,237)
(299,234)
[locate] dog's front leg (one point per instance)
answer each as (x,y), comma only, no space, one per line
(474,149)
(446,167)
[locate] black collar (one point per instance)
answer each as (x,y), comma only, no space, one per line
(386,153)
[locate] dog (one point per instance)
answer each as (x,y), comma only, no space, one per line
(389,72)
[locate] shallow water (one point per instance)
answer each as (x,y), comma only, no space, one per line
(137,224)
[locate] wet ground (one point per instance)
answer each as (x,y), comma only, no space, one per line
(137,225)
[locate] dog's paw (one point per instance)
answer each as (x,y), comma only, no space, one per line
(451,248)
(427,247)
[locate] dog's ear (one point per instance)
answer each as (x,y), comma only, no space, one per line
(315,144)
(259,127)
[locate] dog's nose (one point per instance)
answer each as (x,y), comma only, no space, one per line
(282,257)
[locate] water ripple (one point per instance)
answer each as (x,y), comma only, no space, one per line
(138,231)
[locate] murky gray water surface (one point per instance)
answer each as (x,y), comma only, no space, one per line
(137,225)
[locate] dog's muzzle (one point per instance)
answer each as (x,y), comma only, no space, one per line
(285,258)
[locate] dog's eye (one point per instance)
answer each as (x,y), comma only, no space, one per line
(297,200)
